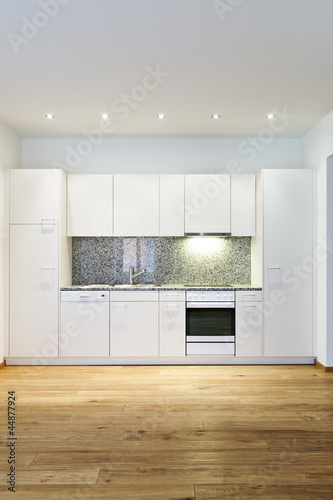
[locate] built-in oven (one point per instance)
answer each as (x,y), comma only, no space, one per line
(210,323)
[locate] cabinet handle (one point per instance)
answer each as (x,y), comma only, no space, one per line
(119,305)
(249,294)
(48,268)
(48,221)
(171,305)
(274,268)
(249,306)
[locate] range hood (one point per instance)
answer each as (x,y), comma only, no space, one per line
(207,234)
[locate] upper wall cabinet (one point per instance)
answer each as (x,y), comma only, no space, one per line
(34,196)
(136,205)
(243,205)
(207,203)
(172,205)
(90,205)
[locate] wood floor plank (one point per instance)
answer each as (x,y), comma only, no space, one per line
(290,474)
(132,491)
(84,476)
(246,492)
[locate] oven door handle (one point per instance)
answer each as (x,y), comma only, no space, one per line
(210,305)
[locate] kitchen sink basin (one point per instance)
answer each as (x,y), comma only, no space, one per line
(96,285)
(139,285)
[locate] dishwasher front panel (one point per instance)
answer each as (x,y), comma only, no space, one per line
(84,321)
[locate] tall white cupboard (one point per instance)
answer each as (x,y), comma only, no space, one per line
(282,260)
(40,260)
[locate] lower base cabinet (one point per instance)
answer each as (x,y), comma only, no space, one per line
(248,324)
(172,324)
(134,323)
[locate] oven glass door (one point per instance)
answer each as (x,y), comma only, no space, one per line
(210,324)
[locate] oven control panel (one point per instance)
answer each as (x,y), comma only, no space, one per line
(210,296)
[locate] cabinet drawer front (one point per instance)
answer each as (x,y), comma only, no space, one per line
(172,296)
(135,296)
(248,296)
(210,349)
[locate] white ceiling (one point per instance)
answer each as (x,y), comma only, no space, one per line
(239,58)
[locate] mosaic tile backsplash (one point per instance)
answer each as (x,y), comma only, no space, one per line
(187,261)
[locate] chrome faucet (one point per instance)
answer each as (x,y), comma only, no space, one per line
(131,275)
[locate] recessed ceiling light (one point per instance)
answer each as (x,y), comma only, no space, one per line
(216,117)
(270,116)
(49,116)
(161,116)
(105,116)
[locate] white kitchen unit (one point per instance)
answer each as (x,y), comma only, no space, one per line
(172,205)
(243,205)
(134,323)
(84,323)
(40,261)
(90,205)
(136,205)
(207,203)
(172,323)
(34,288)
(282,260)
(34,196)
(248,323)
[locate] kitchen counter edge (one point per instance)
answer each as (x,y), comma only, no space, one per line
(160,287)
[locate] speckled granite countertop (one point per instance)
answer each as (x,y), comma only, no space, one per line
(97,287)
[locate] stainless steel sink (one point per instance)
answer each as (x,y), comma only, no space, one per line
(97,285)
(139,285)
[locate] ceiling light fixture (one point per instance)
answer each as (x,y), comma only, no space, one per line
(105,116)
(216,117)
(270,116)
(49,116)
(161,116)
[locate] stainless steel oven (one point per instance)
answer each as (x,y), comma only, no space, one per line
(210,323)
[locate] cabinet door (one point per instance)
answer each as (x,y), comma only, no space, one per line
(90,205)
(34,196)
(288,262)
(84,329)
(34,291)
(207,203)
(248,329)
(134,329)
(171,205)
(243,205)
(136,205)
(172,328)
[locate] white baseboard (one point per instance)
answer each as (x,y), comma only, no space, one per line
(182,360)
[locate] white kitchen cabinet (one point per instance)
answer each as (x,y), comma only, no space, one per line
(134,323)
(34,196)
(243,205)
(284,251)
(172,205)
(84,323)
(136,205)
(90,205)
(249,323)
(34,289)
(207,203)
(39,261)
(172,323)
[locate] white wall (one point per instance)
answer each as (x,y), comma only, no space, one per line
(160,155)
(316,147)
(10,157)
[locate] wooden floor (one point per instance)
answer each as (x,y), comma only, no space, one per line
(170,433)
